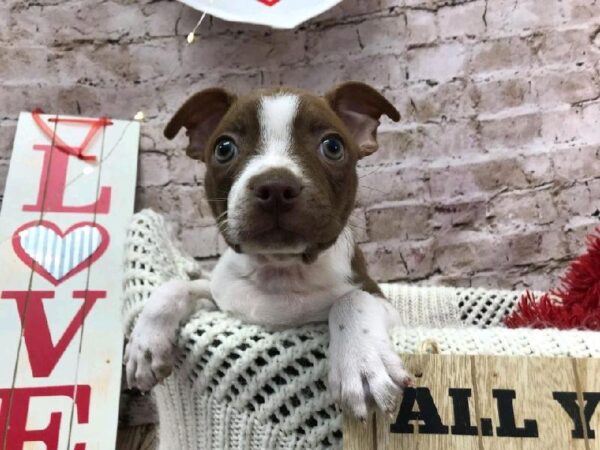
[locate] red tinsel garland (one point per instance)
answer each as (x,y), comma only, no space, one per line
(576,304)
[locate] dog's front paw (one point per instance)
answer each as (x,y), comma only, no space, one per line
(149,355)
(365,374)
(365,371)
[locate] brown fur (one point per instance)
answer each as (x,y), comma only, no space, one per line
(361,276)
(350,111)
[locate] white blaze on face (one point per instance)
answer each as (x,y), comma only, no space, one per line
(276,115)
(276,118)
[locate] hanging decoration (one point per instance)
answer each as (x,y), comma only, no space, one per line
(274,13)
(576,304)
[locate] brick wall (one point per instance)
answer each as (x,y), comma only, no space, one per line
(492,177)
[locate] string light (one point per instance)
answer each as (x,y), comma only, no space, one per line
(190,38)
(192,35)
(139,116)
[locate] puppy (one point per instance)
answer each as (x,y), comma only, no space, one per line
(281,181)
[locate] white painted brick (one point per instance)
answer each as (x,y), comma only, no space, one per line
(518,210)
(387,183)
(512,17)
(429,141)
(452,214)
(513,130)
(91,20)
(462,19)
(395,260)
(7,135)
(577,231)
(185,205)
(577,11)
(421,27)
(513,53)
(574,125)
(577,163)
(465,252)
(490,179)
(566,47)
(3,174)
(402,220)
(579,200)
(497,95)
(423,103)
(154,169)
(440,63)
(383,34)
(333,43)
(567,87)
(184,170)
(467,180)
(379,71)
(201,242)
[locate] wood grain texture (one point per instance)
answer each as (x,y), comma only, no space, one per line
(428,371)
(512,405)
(534,380)
(144,437)
(359,435)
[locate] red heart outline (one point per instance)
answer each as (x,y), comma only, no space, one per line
(269,2)
(18,248)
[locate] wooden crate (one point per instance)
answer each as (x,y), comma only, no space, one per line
(489,403)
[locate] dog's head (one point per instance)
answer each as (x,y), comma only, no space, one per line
(281,163)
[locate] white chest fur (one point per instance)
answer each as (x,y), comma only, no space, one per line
(283,292)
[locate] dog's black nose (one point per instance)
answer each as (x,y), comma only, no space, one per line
(277,193)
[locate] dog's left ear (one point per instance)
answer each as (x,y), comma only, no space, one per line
(360,107)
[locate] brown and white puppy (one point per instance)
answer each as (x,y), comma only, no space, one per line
(281,180)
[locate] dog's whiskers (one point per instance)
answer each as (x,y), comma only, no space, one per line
(358,227)
(377,169)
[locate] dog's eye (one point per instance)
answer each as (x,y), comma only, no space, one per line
(225,150)
(332,148)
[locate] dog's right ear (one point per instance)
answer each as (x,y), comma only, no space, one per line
(200,115)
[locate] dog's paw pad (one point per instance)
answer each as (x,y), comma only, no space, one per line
(367,377)
(149,358)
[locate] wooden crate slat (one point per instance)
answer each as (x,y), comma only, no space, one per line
(512,403)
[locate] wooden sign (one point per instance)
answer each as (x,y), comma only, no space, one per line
(67,204)
(489,403)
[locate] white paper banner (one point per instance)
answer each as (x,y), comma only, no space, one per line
(275,13)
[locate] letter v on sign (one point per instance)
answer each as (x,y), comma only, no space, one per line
(43,354)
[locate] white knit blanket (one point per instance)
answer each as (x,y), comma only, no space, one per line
(238,386)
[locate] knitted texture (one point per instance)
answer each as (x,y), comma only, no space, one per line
(239,386)
(152,257)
